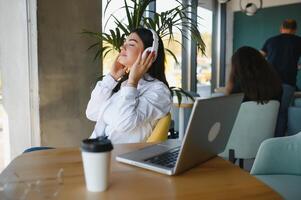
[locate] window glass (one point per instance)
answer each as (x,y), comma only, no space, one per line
(204,62)
(173,70)
(115,8)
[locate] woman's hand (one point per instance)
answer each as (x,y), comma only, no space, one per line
(117,69)
(139,68)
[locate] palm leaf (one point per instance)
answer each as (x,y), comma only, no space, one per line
(128,15)
(163,23)
(179,93)
(106,7)
(179,96)
(172,54)
(106,53)
(120,25)
(97,54)
(93,45)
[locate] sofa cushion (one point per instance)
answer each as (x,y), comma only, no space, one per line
(288,186)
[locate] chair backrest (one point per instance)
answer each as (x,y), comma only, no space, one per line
(254,123)
(161,129)
(279,155)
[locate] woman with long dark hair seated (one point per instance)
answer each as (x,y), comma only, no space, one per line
(252,75)
(128,102)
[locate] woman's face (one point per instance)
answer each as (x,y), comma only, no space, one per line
(130,50)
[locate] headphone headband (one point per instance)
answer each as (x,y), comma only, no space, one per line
(155,44)
(154,47)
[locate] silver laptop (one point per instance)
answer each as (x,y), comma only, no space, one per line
(207,133)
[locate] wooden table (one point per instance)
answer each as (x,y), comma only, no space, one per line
(215,179)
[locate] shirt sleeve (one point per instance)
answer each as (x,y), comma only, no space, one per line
(134,109)
(101,92)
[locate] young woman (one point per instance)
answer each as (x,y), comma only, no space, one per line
(252,75)
(128,102)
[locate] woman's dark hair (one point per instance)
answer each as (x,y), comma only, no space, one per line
(257,79)
(157,70)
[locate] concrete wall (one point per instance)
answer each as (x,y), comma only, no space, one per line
(66,70)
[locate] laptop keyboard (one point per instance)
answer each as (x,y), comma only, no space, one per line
(167,159)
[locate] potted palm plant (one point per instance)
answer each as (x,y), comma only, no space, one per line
(163,23)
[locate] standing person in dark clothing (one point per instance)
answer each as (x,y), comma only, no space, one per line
(283,52)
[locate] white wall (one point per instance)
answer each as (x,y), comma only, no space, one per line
(233,6)
(14,65)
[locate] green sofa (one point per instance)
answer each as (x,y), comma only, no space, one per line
(278,164)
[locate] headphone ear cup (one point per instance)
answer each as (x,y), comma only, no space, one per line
(144,54)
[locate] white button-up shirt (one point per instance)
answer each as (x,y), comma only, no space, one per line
(130,114)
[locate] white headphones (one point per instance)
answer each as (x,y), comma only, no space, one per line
(154,46)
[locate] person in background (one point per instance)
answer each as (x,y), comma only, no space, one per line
(298,78)
(252,75)
(283,52)
(129,101)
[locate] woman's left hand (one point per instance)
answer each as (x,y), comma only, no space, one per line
(139,68)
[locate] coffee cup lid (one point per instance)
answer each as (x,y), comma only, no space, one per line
(99,144)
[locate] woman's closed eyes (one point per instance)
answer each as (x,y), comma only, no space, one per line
(128,45)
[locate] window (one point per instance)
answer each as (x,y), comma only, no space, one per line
(173,70)
(204,62)
(114,7)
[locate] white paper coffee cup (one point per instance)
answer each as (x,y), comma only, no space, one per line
(96,155)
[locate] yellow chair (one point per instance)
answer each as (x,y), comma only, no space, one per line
(160,132)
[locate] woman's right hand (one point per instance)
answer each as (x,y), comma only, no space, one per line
(117,69)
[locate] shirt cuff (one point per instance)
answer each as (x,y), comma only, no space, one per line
(108,81)
(129,92)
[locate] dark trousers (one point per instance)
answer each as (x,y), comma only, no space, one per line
(287,97)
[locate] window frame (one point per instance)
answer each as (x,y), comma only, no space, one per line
(189,48)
